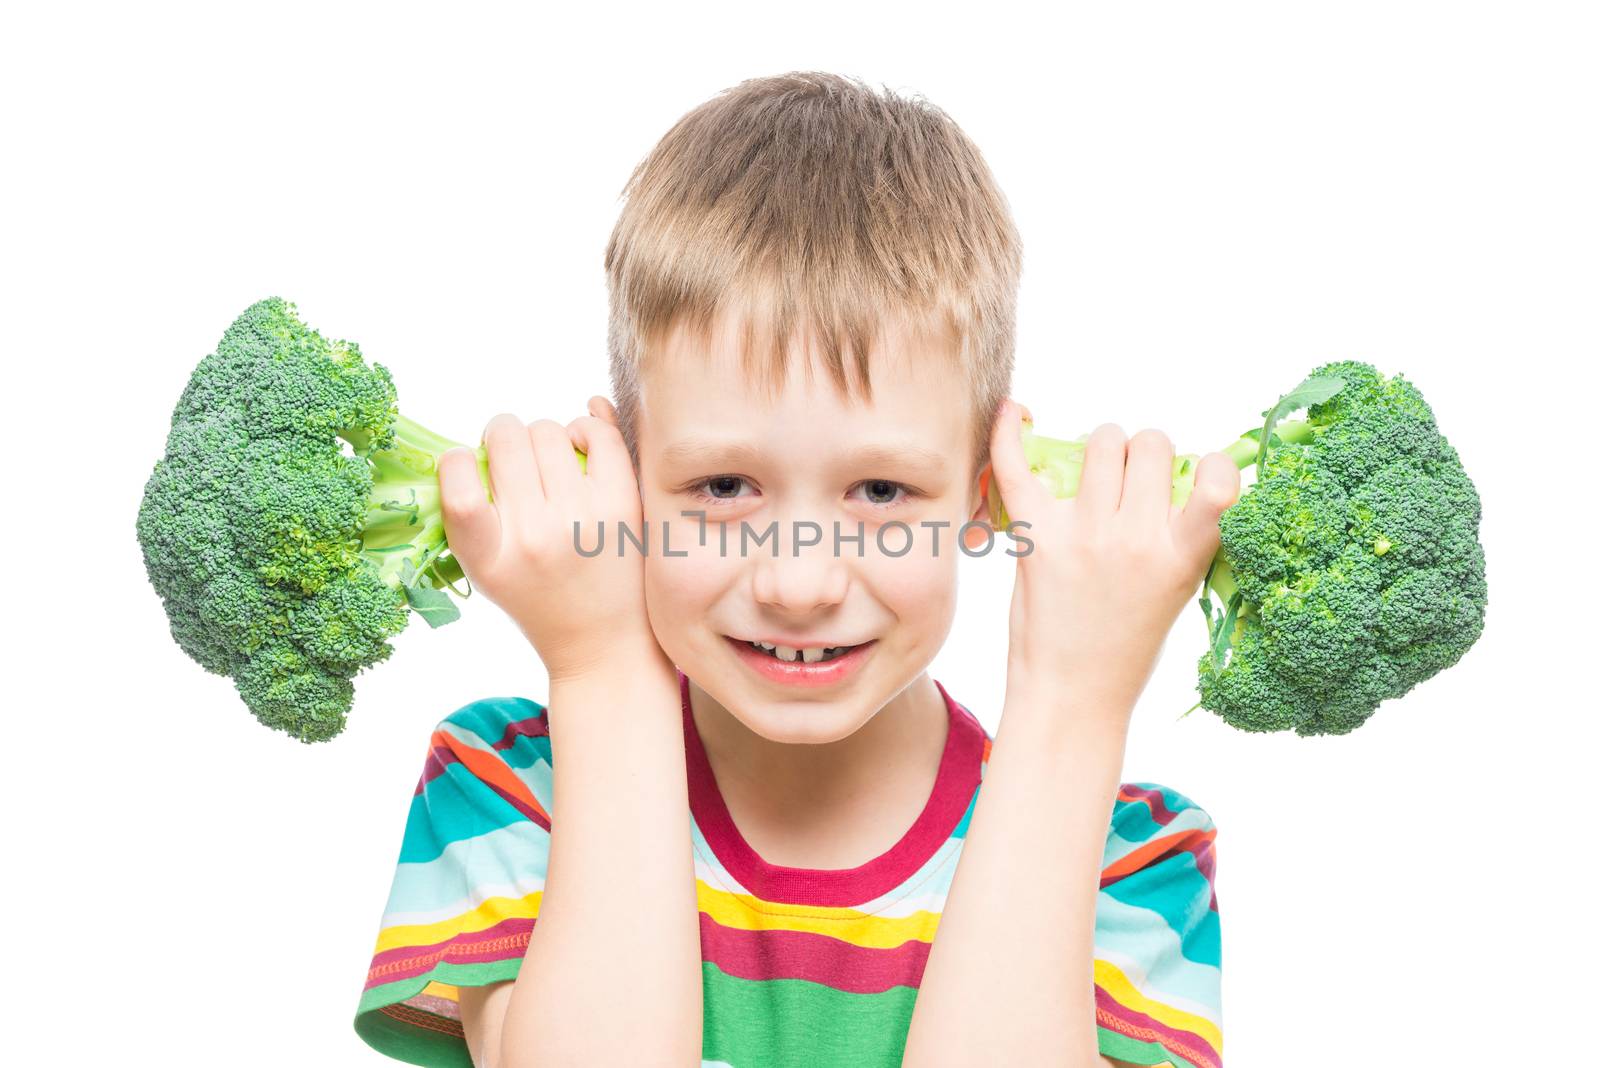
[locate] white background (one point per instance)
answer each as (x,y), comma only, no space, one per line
(1213,199)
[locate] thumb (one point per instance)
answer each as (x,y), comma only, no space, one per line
(1216,488)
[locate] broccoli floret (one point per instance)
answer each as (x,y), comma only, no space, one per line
(293,522)
(1350,571)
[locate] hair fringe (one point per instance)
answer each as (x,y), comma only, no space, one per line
(811,207)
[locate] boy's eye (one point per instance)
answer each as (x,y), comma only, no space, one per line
(722,487)
(879,491)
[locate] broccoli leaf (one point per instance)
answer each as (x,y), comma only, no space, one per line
(1224,635)
(434,606)
(1313,390)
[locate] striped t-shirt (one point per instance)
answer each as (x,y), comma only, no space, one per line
(800,967)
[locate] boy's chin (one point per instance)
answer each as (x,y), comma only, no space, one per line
(801,723)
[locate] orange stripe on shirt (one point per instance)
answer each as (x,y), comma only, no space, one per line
(492,769)
(1151,851)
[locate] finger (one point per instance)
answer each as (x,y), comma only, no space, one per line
(1019,489)
(603,409)
(471,521)
(513,472)
(558,465)
(1216,487)
(608,460)
(1147,487)
(1105,459)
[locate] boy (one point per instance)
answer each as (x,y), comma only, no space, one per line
(763,796)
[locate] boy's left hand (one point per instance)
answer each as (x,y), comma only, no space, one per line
(1109,569)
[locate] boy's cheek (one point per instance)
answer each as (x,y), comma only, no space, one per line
(914,588)
(685,587)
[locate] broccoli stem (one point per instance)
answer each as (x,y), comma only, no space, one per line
(412,435)
(1244,451)
(1059,465)
(405,520)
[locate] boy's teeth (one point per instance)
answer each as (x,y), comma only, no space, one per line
(813,655)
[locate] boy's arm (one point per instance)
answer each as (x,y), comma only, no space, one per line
(612,970)
(1109,572)
(483,1010)
(1016,940)
(611,974)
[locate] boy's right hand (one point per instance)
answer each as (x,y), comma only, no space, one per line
(578,612)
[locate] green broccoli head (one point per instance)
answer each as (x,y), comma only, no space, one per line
(1356,561)
(1349,571)
(293,520)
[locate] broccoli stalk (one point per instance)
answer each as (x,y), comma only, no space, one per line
(403,532)
(293,522)
(1350,571)
(1059,465)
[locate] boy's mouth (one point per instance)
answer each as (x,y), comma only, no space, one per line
(815,654)
(816,665)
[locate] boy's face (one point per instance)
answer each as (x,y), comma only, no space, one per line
(712,440)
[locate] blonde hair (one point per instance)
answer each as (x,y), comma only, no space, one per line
(806,200)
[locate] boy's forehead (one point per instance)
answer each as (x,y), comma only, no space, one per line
(699,376)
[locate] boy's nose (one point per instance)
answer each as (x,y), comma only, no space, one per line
(814,579)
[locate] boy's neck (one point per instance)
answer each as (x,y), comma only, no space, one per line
(809,806)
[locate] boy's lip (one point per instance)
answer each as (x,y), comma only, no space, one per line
(798,672)
(795,643)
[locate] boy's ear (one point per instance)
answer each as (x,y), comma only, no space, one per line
(974,537)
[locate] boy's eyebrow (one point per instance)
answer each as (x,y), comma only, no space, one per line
(692,451)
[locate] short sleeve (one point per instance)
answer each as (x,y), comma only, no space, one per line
(468,882)
(1158,946)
